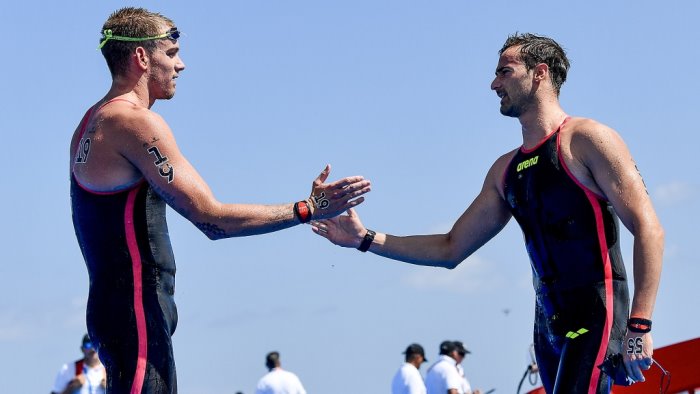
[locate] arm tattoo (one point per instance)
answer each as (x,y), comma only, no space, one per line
(211,230)
(170,200)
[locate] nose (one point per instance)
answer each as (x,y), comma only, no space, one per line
(180,65)
(495,84)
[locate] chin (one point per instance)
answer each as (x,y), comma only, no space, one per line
(509,112)
(513,111)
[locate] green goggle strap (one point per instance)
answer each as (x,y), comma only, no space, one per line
(107,34)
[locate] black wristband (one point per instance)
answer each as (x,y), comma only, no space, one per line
(639,325)
(303,213)
(366,241)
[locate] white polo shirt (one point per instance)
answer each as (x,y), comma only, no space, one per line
(408,380)
(93,379)
(443,376)
(466,387)
(279,381)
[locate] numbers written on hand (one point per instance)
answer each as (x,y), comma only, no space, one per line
(321,201)
(635,345)
(83,151)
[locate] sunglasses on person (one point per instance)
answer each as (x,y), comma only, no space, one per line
(172,34)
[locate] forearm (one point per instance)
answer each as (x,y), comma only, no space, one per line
(648,256)
(427,250)
(441,250)
(237,220)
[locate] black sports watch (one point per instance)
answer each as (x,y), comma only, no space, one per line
(366,241)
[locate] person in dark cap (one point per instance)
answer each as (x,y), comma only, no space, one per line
(446,375)
(408,379)
(461,354)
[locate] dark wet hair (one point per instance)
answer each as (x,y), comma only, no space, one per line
(536,49)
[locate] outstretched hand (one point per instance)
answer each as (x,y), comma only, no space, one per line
(332,199)
(637,351)
(344,230)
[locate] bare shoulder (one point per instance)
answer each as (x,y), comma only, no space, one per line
(115,145)
(125,119)
(498,170)
(593,152)
(586,131)
(502,162)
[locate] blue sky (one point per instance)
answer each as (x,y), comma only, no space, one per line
(397,91)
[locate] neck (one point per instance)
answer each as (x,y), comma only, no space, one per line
(91,361)
(135,89)
(539,123)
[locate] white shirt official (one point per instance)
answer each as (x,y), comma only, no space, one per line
(408,380)
(279,381)
(443,376)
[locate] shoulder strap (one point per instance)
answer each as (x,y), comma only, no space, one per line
(78,367)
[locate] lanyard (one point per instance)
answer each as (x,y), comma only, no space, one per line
(91,389)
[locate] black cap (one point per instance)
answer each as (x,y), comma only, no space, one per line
(447,347)
(415,348)
(459,346)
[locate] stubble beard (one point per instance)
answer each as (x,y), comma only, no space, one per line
(517,107)
(512,111)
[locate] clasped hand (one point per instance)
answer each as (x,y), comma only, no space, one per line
(331,199)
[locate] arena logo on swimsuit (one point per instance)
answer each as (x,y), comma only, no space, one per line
(527,163)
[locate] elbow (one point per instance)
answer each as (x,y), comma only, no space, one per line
(213,236)
(212,231)
(450,264)
(656,233)
(661,234)
(453,255)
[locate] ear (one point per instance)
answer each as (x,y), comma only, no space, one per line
(541,72)
(141,58)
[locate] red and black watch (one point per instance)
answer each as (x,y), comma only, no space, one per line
(639,325)
(302,211)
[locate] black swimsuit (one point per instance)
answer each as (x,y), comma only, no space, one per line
(572,238)
(131,312)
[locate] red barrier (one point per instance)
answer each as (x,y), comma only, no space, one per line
(682,360)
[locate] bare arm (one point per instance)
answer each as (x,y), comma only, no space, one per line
(483,219)
(603,152)
(614,172)
(148,144)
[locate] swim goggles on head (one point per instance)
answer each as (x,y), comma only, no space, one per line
(172,34)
